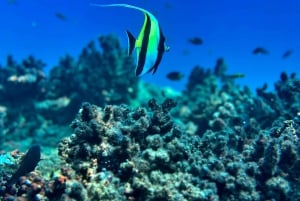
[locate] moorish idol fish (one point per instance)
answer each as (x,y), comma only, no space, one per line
(150,43)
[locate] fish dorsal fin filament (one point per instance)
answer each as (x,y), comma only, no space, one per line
(131,42)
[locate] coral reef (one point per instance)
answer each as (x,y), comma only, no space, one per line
(248,143)
(98,76)
(217,141)
(121,153)
(32,104)
(20,85)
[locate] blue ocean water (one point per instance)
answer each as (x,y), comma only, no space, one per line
(48,29)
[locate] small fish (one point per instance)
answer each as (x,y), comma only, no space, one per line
(175,76)
(28,164)
(234,76)
(260,50)
(195,41)
(287,54)
(61,16)
(150,43)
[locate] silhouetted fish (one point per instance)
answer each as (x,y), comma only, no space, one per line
(60,16)
(260,50)
(287,54)
(196,41)
(28,164)
(234,76)
(175,76)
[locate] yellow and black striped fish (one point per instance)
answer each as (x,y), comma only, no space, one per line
(150,43)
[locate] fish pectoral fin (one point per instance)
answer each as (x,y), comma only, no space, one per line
(131,42)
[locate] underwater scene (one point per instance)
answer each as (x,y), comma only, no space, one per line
(150,100)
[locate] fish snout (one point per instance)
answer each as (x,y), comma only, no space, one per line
(167,48)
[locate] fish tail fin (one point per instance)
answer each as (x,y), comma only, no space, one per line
(131,42)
